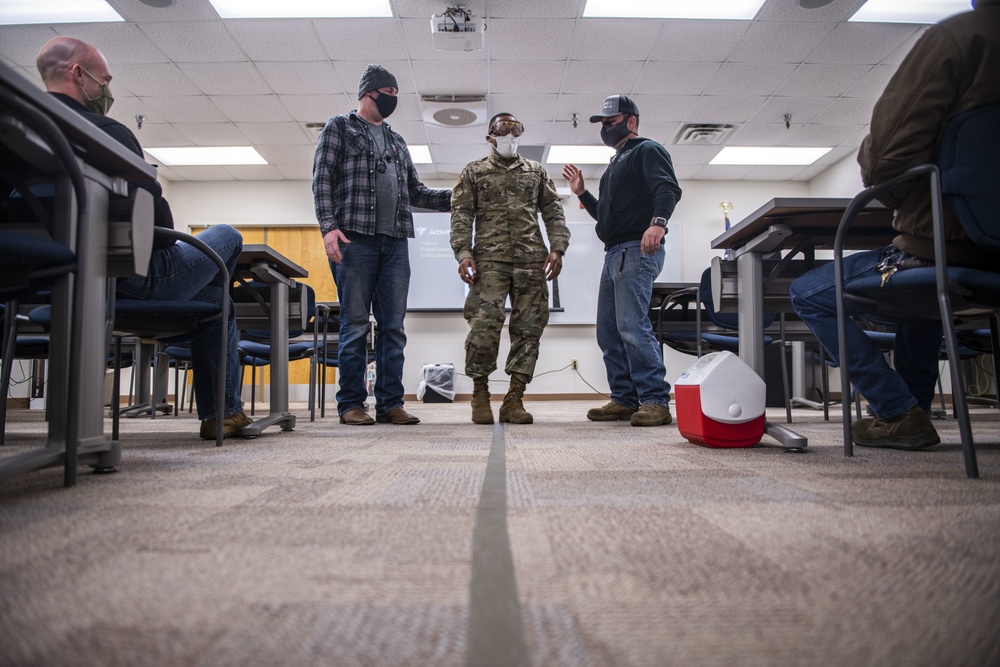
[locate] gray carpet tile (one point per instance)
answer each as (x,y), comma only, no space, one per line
(339,545)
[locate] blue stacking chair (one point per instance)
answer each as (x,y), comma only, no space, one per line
(967,172)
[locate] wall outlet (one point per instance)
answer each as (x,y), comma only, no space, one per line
(573,363)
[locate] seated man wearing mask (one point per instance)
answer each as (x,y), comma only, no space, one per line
(77,74)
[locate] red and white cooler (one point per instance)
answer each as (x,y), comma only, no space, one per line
(720,402)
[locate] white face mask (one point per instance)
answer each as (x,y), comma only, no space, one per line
(506,146)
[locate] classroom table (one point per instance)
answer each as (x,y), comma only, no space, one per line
(103,249)
(263,263)
(800,223)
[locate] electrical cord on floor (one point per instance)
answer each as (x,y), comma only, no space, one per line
(557,370)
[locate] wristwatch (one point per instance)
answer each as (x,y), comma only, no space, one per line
(658,222)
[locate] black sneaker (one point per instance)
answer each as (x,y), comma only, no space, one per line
(911,430)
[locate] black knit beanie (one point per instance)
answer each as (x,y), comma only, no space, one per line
(373,78)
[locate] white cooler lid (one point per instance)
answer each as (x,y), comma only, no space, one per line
(731,392)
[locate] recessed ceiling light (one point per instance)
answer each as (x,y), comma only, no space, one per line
(768,155)
(206,155)
(269,9)
(579,154)
(909,11)
(420,154)
(22,12)
(672,9)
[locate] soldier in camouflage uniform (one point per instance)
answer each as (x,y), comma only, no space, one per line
(502,195)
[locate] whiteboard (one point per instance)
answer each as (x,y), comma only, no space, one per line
(435,285)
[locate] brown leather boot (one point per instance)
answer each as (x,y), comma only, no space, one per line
(512,410)
(482,413)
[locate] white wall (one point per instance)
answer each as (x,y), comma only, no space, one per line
(440,337)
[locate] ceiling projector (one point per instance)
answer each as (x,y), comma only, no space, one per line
(457,30)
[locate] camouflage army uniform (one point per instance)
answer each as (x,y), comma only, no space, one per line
(503,197)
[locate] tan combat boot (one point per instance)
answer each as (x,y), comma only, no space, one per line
(481,411)
(512,410)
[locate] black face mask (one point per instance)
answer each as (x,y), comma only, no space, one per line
(612,135)
(385,104)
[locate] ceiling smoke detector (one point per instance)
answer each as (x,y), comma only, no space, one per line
(702,134)
(453,110)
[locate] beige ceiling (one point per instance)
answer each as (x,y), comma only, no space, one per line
(201,81)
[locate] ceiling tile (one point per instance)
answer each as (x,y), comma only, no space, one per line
(722,172)
(345,39)
(316,108)
(508,77)
(186,42)
(270,40)
(457,135)
(662,108)
(212,134)
(550,9)
(697,40)
(531,40)
(749,79)
(276,133)
(283,154)
(846,111)
(759,134)
(302,78)
(20,44)
(773,173)
(255,172)
(203,173)
(824,135)
(812,80)
(601,39)
(873,83)
(724,109)
(119,42)
(802,109)
(599,77)
(252,108)
(778,42)
(296,172)
(156,79)
(159,135)
(861,43)
(226,78)
(457,78)
(185,109)
(675,78)
(529,108)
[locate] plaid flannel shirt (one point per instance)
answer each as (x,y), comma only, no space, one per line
(344,179)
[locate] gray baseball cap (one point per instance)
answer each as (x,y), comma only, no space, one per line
(615,105)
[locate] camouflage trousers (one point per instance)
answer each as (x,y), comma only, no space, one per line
(485,313)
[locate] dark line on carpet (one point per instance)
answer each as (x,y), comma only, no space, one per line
(495,635)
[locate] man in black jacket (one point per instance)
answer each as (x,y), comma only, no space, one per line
(638,193)
(77,74)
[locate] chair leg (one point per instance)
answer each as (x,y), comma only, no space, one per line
(784,371)
(116,384)
(9,342)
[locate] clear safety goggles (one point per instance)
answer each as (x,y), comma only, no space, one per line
(502,128)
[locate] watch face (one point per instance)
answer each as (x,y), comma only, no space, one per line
(660,222)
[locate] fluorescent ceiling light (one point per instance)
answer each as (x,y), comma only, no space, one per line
(756,156)
(22,12)
(270,9)
(672,9)
(206,155)
(909,11)
(579,154)
(420,154)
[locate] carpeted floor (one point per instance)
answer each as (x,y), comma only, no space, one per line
(564,542)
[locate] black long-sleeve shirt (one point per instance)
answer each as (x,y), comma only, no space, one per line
(162,216)
(637,186)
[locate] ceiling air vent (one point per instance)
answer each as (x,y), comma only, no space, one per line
(454,110)
(703,134)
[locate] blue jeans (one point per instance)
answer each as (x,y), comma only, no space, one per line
(181,273)
(635,369)
(373,277)
(890,392)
